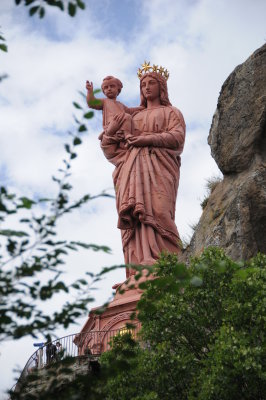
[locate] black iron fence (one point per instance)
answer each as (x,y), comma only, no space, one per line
(91,343)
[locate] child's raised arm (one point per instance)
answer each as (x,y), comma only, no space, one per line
(96,104)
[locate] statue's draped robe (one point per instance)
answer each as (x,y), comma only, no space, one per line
(146,181)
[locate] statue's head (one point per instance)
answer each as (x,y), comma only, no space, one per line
(111,86)
(161,75)
(163,91)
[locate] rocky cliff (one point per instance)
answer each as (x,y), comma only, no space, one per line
(235,214)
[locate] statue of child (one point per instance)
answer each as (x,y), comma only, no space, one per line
(112,109)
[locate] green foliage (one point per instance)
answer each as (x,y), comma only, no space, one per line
(210,338)
(210,186)
(39,6)
(203,332)
(32,257)
(236,365)
(117,366)
(3,46)
(203,336)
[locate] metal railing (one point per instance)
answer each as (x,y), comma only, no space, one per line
(92,344)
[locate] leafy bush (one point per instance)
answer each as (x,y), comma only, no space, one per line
(205,331)
(203,336)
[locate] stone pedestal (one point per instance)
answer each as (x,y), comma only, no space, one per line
(102,326)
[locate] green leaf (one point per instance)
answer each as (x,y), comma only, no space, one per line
(95,102)
(82,128)
(143,285)
(61,286)
(26,203)
(45,199)
(41,12)
(96,91)
(75,104)
(67,147)
(28,2)
(56,179)
(10,232)
(60,5)
(88,115)
(82,281)
(11,246)
(3,47)
(95,248)
(72,9)
(77,141)
(67,186)
(33,10)
(24,243)
(17,2)
(81,4)
(75,286)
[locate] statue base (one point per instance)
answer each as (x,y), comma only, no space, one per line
(103,324)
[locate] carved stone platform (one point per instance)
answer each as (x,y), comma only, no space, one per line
(111,321)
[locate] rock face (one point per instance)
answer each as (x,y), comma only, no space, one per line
(235,215)
(237,133)
(56,375)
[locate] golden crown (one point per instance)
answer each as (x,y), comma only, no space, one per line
(146,68)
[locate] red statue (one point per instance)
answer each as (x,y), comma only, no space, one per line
(144,144)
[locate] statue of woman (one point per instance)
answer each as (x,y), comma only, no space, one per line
(146,174)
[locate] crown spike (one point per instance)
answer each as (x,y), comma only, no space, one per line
(146,68)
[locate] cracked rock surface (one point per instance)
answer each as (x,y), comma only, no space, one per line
(235,214)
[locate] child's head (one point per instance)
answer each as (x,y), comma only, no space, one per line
(111,87)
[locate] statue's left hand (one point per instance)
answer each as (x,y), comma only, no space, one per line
(139,141)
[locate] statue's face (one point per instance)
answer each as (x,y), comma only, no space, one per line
(110,89)
(150,88)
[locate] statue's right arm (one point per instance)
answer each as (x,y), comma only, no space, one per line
(96,104)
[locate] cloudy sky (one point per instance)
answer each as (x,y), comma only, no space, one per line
(199,41)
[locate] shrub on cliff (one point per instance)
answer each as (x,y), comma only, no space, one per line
(205,330)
